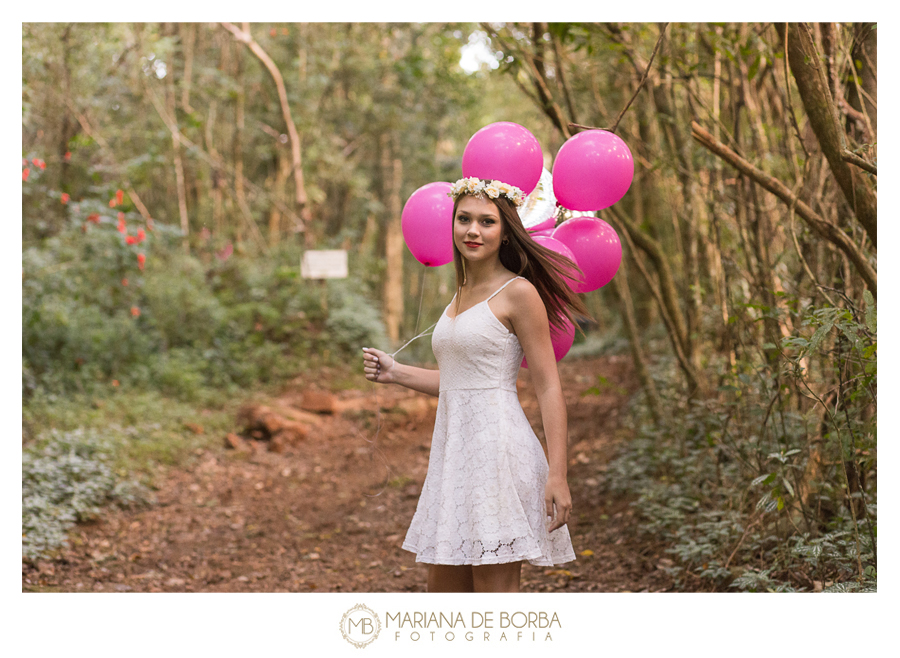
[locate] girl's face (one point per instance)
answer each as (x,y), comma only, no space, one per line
(477,228)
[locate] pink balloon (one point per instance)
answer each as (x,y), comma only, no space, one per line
(560,248)
(506,152)
(562,341)
(548,223)
(597,249)
(546,232)
(427,224)
(593,170)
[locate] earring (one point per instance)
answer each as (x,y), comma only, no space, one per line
(505,241)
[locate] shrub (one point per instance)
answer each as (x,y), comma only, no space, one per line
(65,480)
(755,489)
(353,322)
(91,316)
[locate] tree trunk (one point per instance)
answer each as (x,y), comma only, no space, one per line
(865,50)
(216,175)
(281,177)
(686,219)
(188,37)
(179,166)
(669,293)
(67,131)
(813,85)
(296,155)
(238,145)
(623,294)
(665,294)
(392,171)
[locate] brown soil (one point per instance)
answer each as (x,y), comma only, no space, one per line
(329,512)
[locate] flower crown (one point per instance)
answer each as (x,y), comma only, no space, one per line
(478,188)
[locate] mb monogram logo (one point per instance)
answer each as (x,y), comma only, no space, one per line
(360,626)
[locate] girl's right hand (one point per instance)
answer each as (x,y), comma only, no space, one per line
(378,366)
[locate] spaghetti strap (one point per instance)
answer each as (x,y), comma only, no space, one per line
(502,287)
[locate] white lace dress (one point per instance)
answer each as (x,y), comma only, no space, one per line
(483,497)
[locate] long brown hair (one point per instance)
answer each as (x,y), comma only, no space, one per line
(543,267)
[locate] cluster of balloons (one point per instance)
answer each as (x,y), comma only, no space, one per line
(592,171)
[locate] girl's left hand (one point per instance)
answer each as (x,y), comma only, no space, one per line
(558,499)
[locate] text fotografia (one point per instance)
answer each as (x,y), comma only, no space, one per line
(480,626)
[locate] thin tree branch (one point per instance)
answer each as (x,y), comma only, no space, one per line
(300,189)
(825,229)
(852,158)
(561,77)
(91,132)
(657,295)
(216,163)
(548,104)
(643,79)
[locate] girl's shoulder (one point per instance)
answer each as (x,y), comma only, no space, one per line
(520,284)
(523,291)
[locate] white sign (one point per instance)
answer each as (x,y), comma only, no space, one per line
(324,264)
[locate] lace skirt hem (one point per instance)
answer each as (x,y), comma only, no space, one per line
(536,559)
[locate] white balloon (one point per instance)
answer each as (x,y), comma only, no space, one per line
(540,204)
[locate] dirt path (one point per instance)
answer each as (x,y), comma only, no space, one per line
(330,513)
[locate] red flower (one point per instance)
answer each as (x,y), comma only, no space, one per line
(112,203)
(120,197)
(141,260)
(121,227)
(135,311)
(25,173)
(115,383)
(42,165)
(141,235)
(130,239)
(125,282)
(94,217)
(272,32)
(67,156)
(225,253)
(35,162)
(64,198)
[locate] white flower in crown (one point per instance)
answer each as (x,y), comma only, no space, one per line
(493,189)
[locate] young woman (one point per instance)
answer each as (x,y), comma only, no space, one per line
(490,499)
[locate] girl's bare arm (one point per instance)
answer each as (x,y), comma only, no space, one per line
(384,369)
(529,318)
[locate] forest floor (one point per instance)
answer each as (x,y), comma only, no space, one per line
(328,513)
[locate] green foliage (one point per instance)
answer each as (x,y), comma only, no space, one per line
(183,324)
(740,486)
(355,322)
(67,477)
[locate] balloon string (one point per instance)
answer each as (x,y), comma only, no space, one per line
(421,296)
(379,424)
(421,335)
